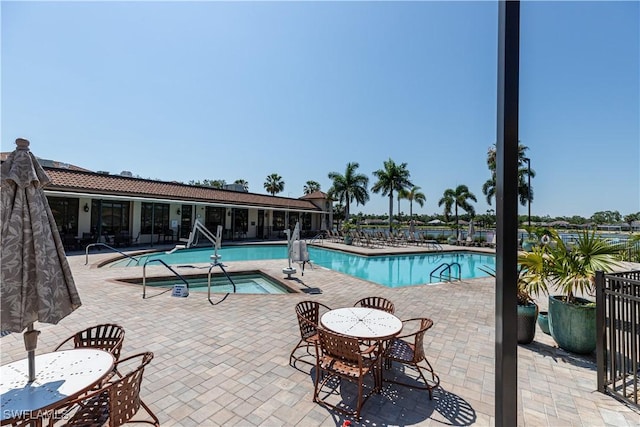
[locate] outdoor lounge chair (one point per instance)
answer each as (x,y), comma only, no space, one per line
(379,303)
(411,352)
(308,313)
(108,337)
(342,357)
(116,401)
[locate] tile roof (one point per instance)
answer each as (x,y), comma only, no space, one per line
(89,182)
(316,195)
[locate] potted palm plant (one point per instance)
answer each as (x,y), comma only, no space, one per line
(346,230)
(571,271)
(528,286)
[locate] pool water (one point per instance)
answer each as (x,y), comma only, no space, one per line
(388,270)
(245,284)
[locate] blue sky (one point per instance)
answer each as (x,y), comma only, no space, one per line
(229,90)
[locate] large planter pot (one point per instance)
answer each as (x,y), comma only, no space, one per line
(573,326)
(527,315)
(543,322)
(348,240)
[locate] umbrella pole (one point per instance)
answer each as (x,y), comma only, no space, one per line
(30,344)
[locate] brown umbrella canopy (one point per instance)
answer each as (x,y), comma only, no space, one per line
(35,279)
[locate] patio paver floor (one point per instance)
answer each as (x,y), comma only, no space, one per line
(228,364)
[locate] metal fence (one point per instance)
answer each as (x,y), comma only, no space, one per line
(618,323)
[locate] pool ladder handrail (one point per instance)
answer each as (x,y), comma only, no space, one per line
(445,267)
(144,274)
(215,263)
(433,244)
(90,245)
(319,236)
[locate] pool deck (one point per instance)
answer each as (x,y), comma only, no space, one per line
(228,364)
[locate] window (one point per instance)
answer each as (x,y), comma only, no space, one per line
(109,216)
(240,220)
(278,220)
(65,213)
(293,218)
(305,221)
(213,217)
(154,218)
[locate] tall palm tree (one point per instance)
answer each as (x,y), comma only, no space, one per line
(311,187)
(525,193)
(243,182)
(349,187)
(392,178)
(459,198)
(274,184)
(413,195)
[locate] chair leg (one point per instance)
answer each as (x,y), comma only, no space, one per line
(316,386)
(428,385)
(301,344)
(293,351)
(155,422)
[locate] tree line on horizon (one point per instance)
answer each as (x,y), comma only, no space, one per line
(394,181)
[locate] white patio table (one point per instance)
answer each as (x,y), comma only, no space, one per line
(362,322)
(60,377)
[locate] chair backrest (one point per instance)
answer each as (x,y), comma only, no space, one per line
(418,352)
(107,336)
(339,346)
(379,303)
(124,392)
(116,400)
(308,313)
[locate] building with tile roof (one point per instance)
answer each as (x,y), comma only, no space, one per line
(120,209)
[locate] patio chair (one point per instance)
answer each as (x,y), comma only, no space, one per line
(107,336)
(308,313)
(343,357)
(116,401)
(411,352)
(379,303)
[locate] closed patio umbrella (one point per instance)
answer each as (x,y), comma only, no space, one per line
(35,278)
(472,229)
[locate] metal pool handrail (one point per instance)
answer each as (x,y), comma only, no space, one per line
(144,274)
(90,245)
(319,236)
(215,263)
(445,267)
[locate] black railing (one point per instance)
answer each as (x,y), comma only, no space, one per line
(618,323)
(444,271)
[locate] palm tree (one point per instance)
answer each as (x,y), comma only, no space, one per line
(414,194)
(459,198)
(349,187)
(311,187)
(243,182)
(392,178)
(274,184)
(525,193)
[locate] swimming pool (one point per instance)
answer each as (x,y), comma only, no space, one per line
(388,270)
(253,283)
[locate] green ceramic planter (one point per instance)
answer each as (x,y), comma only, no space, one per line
(527,315)
(573,326)
(543,322)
